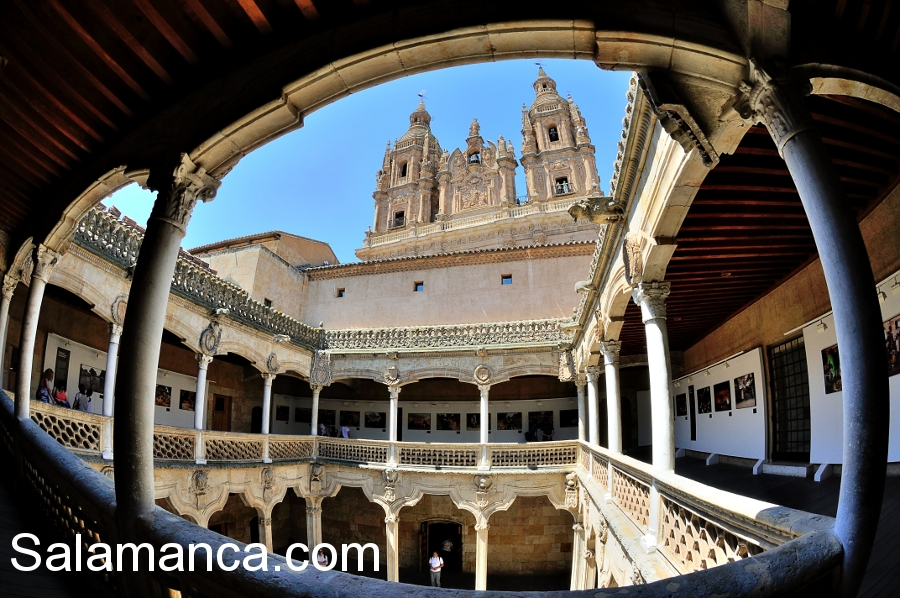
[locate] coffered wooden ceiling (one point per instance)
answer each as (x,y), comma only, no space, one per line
(746,231)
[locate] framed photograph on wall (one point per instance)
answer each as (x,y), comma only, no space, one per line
(186,400)
(831,364)
(509,421)
(418,421)
(376,419)
(163,396)
(704,400)
(448,422)
(282,413)
(722,395)
(350,419)
(680,405)
(473,422)
(892,344)
(326,416)
(568,418)
(302,415)
(745,391)
(91,377)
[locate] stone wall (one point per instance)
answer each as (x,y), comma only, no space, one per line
(236,518)
(532,537)
(437,509)
(350,517)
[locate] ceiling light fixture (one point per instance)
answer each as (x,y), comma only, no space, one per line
(821,326)
(882,296)
(895,288)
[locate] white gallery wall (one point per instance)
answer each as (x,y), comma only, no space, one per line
(827,408)
(737,431)
(83,357)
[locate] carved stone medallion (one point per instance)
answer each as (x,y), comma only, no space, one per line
(483,374)
(272,363)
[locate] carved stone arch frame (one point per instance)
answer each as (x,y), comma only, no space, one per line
(101,300)
(21,260)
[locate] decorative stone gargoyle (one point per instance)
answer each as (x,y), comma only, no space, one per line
(597,209)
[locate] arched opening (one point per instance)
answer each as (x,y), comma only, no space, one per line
(435,524)
(236,520)
(349,517)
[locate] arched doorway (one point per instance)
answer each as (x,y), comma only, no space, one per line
(444,537)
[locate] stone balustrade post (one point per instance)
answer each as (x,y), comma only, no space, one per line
(580,383)
(112,360)
(203,361)
(651,298)
(592,373)
(484,425)
(44,260)
(481,554)
(314,420)
(9,287)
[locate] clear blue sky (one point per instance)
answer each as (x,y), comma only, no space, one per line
(318,181)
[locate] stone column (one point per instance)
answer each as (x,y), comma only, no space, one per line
(651,298)
(392,422)
(443,194)
(44,260)
(314,422)
(178,192)
(265,531)
(392,532)
(112,360)
(481,555)
(9,287)
(267,401)
(778,102)
(580,383)
(593,374)
(610,350)
(203,361)
(578,557)
(484,425)
(313,523)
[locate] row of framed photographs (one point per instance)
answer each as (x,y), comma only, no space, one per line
(186,398)
(450,422)
(831,357)
(719,397)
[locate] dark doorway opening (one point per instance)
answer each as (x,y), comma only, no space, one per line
(445,538)
(692,413)
(399,424)
(254,530)
(256,420)
(790,401)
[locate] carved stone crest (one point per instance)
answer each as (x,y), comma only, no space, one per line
(566,366)
(321,369)
(631,256)
(272,363)
(483,374)
(316,478)
(210,338)
(199,483)
(571,491)
(473,192)
(483,484)
(117,309)
(392,376)
(390,477)
(602,530)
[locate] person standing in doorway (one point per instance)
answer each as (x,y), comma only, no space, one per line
(436,563)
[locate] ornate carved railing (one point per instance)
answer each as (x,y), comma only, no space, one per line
(102,234)
(703,526)
(461,335)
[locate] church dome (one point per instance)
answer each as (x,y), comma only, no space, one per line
(545,94)
(419,127)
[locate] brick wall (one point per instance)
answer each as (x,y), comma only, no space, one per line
(531,537)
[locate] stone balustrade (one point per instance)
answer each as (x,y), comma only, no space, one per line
(111,239)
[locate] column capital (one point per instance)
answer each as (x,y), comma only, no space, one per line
(179,194)
(651,298)
(581,381)
(592,373)
(316,388)
(775,98)
(394,389)
(392,518)
(9,286)
(484,389)
(267,378)
(115,331)
(482,527)
(610,350)
(44,261)
(265,521)
(204,360)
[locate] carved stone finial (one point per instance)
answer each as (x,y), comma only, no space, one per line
(474,128)
(651,298)
(775,99)
(45,260)
(189,184)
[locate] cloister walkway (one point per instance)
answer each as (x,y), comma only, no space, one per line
(883,573)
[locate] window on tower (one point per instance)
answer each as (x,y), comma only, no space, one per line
(399,219)
(403,170)
(562,186)
(553,133)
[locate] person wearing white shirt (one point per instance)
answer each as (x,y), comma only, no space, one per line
(322,430)
(345,432)
(436,563)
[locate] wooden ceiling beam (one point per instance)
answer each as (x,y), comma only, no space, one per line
(752,170)
(844,124)
(308,9)
(860,148)
(39,132)
(782,203)
(210,23)
(62,126)
(167,31)
(256,15)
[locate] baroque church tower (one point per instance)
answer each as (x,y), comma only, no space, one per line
(557,153)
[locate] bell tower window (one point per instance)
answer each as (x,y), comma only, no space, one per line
(553,133)
(399,219)
(562,186)
(475,158)
(403,170)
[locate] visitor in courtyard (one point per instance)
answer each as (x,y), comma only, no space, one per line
(323,431)
(60,395)
(83,399)
(43,391)
(345,432)
(436,563)
(321,559)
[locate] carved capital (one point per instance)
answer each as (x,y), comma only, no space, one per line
(610,350)
(394,390)
(316,389)
(581,382)
(204,360)
(265,521)
(775,99)
(267,377)
(484,389)
(189,183)
(9,286)
(44,261)
(313,510)
(392,518)
(593,373)
(651,298)
(482,527)
(115,331)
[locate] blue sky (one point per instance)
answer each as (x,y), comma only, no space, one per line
(318,181)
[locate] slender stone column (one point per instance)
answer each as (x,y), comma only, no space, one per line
(112,359)
(265,531)
(593,374)
(313,523)
(203,361)
(610,350)
(484,425)
(481,555)
(44,260)
(580,383)
(392,531)
(578,557)
(394,389)
(314,422)
(9,287)
(135,390)
(267,401)
(651,298)
(778,103)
